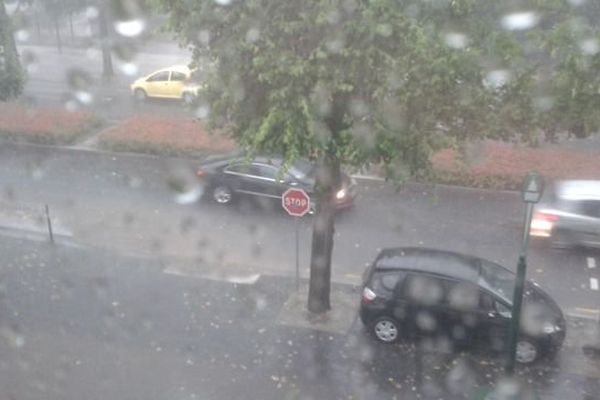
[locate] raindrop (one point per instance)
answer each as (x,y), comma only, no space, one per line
(91,13)
(544,103)
(204,37)
(185,186)
(384,30)
(71,105)
(359,108)
(30,61)
(519,21)
(252,35)
(223,2)
(590,47)
(497,79)
(335,45)
(22,35)
(456,40)
(202,112)
(78,80)
(130,28)
(576,3)
(129,68)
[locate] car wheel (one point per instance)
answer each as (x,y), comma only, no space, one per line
(140,95)
(527,352)
(187,98)
(386,330)
(222,194)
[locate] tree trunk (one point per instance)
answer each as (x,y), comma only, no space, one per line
(327,183)
(57,34)
(322,240)
(107,67)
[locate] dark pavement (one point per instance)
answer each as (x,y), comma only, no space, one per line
(85,323)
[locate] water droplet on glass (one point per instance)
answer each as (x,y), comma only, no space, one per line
(71,105)
(22,35)
(519,21)
(252,35)
(129,68)
(496,79)
(79,81)
(30,61)
(202,112)
(335,45)
(91,13)
(384,30)
(456,40)
(576,3)
(185,186)
(204,37)
(543,103)
(130,28)
(590,47)
(93,53)
(223,2)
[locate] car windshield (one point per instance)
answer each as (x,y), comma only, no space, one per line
(497,279)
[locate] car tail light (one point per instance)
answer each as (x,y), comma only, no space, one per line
(542,224)
(368,295)
(200,172)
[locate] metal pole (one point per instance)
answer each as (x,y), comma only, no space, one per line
(49,224)
(297,256)
(518,293)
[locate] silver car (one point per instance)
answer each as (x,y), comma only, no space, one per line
(569,214)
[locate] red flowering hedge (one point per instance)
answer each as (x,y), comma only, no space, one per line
(48,125)
(503,166)
(163,135)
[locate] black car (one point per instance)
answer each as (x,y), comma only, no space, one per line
(416,292)
(264,177)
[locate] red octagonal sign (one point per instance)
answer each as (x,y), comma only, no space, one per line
(296,202)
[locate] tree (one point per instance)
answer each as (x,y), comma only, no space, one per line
(12,77)
(354,82)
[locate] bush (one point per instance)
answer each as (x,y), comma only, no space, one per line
(46,125)
(165,136)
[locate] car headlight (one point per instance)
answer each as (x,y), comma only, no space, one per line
(549,328)
(340,194)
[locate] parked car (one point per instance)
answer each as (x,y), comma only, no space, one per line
(415,292)
(569,215)
(264,177)
(176,82)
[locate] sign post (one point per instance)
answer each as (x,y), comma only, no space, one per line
(296,203)
(533,188)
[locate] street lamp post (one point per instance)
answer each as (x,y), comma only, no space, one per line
(532,190)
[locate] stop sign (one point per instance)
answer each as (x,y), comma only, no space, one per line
(296,202)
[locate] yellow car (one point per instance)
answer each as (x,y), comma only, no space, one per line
(176,82)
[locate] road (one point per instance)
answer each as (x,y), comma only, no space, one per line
(124,202)
(86,323)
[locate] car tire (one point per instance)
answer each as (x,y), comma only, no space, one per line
(527,352)
(187,98)
(222,194)
(140,95)
(386,330)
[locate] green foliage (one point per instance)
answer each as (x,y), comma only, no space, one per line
(383,81)
(12,77)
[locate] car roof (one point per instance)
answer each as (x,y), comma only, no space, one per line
(178,68)
(578,190)
(434,261)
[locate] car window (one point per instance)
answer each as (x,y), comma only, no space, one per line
(424,289)
(243,168)
(159,77)
(267,171)
(177,76)
(462,295)
(385,283)
(590,208)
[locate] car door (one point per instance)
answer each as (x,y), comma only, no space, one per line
(273,184)
(589,223)
(176,84)
(463,317)
(157,84)
(422,303)
(494,321)
(239,176)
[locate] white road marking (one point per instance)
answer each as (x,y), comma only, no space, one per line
(591,262)
(594,283)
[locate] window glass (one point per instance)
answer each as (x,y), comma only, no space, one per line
(385,283)
(242,168)
(267,171)
(590,208)
(424,289)
(462,295)
(177,76)
(159,77)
